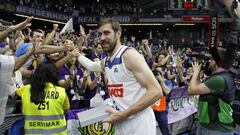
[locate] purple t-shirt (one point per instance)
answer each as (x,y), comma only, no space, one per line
(94,55)
(64,75)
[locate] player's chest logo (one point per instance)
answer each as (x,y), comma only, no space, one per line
(116,90)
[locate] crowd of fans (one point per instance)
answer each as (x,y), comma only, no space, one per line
(171,64)
(133,8)
(98,8)
(81,85)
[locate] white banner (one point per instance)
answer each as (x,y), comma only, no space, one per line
(68,27)
(181,105)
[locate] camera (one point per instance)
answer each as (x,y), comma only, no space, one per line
(156,73)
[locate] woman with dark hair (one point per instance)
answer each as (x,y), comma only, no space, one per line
(44,103)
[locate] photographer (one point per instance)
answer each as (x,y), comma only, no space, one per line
(216,94)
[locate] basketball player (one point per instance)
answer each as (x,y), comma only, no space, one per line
(131,84)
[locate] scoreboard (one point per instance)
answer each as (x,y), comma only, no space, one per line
(183,4)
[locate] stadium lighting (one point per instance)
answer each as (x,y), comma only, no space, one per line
(93,24)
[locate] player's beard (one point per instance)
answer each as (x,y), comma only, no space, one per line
(108,47)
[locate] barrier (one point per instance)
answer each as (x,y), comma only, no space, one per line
(8,121)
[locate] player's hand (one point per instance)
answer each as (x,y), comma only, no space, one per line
(115,116)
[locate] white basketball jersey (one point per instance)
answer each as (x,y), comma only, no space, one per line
(124,89)
(122,85)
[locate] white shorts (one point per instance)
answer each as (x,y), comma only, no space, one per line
(143,123)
